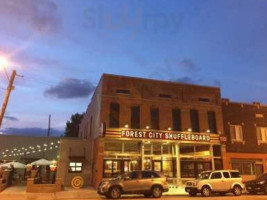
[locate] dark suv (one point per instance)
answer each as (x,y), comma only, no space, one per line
(257,185)
(149,183)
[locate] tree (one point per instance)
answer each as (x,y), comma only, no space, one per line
(72,125)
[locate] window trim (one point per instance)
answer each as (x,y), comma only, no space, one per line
(260,141)
(233,140)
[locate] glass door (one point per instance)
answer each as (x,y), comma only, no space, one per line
(157,165)
(131,165)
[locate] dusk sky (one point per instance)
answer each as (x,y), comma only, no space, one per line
(62,48)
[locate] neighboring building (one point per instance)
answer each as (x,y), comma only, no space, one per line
(75,160)
(135,123)
(245,126)
(27,148)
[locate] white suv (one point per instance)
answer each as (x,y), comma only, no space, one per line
(220,181)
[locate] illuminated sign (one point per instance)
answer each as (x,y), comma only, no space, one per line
(223,139)
(165,135)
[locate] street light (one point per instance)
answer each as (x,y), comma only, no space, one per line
(3,62)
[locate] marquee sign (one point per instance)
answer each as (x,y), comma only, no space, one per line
(165,135)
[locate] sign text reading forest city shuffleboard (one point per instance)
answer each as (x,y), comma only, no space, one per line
(165,135)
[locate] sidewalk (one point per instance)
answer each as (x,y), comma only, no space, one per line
(19,193)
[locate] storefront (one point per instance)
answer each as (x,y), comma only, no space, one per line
(180,156)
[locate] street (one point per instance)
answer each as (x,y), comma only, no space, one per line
(243,197)
(86,194)
(19,193)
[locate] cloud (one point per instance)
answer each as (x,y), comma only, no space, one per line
(32,131)
(187,80)
(70,88)
(11,118)
(188,64)
(39,16)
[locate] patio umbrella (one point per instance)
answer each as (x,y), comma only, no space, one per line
(15,164)
(42,162)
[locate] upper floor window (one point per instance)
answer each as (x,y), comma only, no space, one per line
(154,118)
(194,120)
(212,122)
(122,91)
(262,134)
(236,133)
(114,115)
(176,119)
(258,115)
(165,95)
(204,100)
(135,117)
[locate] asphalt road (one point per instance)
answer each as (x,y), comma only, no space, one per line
(82,197)
(214,197)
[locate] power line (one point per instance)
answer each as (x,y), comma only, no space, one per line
(6,73)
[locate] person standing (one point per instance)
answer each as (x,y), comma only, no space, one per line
(47,173)
(11,175)
(1,172)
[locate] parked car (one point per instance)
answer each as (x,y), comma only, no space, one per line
(219,181)
(257,185)
(149,183)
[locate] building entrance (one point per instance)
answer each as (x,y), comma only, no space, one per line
(191,169)
(157,165)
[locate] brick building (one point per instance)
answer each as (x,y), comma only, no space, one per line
(245,126)
(178,129)
(156,125)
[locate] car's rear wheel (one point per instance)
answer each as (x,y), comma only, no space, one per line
(114,192)
(192,194)
(156,191)
(265,190)
(237,190)
(206,191)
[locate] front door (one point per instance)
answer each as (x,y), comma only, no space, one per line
(216,181)
(146,180)
(157,165)
(227,181)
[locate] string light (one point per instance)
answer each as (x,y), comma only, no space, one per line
(24,150)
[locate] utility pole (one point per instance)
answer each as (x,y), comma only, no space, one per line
(8,91)
(49,122)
